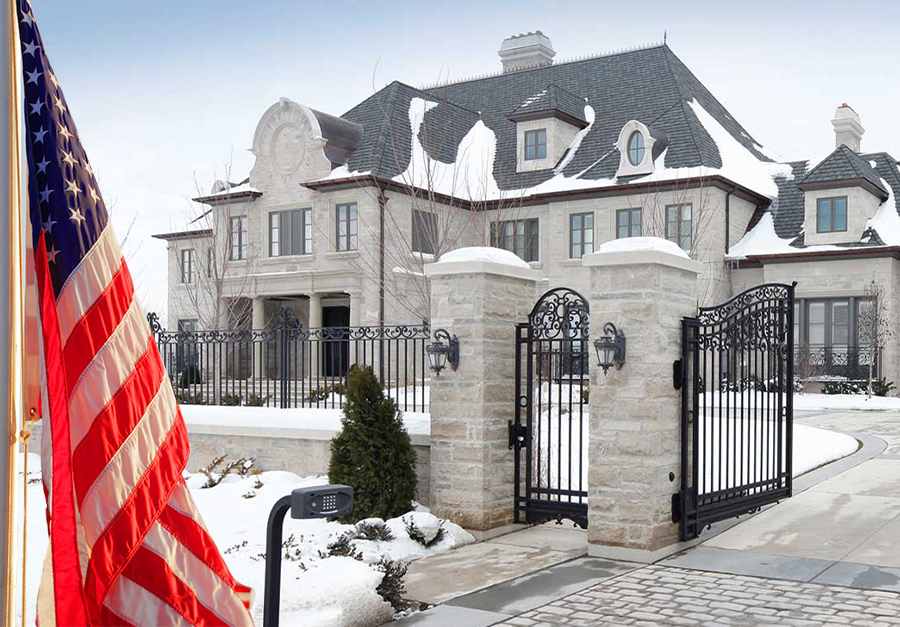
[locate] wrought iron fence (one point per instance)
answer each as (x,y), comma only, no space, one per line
(288,366)
(817,362)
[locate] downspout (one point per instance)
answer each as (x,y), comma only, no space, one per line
(382,202)
(728,220)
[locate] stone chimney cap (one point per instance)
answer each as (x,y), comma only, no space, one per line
(848,128)
(525,50)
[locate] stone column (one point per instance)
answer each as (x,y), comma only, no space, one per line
(471,464)
(635,430)
(259,322)
(315,345)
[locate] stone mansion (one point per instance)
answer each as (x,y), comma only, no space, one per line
(548,160)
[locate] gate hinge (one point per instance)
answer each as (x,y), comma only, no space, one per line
(677,374)
(517,435)
(677,507)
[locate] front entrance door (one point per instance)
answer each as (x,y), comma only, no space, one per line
(336,345)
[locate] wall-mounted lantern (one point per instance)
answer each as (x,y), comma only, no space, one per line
(440,353)
(610,348)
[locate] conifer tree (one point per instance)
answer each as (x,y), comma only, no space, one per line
(373,453)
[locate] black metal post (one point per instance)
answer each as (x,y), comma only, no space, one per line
(272,596)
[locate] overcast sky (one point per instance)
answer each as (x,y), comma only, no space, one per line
(163,91)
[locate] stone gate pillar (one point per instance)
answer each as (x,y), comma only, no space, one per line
(480,301)
(635,429)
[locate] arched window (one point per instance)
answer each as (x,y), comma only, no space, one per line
(636,148)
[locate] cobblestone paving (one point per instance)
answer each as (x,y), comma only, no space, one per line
(672,596)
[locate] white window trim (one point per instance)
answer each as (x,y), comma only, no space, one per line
(626,168)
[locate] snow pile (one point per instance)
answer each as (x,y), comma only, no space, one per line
(485,253)
(814,447)
(629,244)
(228,190)
(886,221)
(315,589)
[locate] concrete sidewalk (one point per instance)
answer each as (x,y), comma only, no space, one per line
(843,530)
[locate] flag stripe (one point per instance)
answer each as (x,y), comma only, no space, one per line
(128,466)
(196,575)
(87,282)
(142,607)
(195,539)
(112,426)
(155,575)
(121,538)
(69,598)
(98,324)
(107,372)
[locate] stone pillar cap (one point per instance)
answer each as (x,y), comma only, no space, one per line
(482,260)
(632,251)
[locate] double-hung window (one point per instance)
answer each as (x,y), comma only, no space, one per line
(628,223)
(536,144)
(238,238)
(346,226)
(679,225)
(581,234)
(424,231)
(290,233)
(831,214)
(187,265)
(521,237)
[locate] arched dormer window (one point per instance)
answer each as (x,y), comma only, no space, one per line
(638,148)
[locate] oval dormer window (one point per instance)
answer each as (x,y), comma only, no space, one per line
(636,148)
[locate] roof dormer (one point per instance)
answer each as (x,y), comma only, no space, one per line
(841,194)
(546,124)
(638,146)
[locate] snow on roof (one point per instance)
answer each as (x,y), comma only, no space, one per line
(628,244)
(531,99)
(485,253)
(763,240)
(236,189)
(886,221)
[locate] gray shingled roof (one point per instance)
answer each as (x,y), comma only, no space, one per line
(843,165)
(788,209)
(650,85)
(552,98)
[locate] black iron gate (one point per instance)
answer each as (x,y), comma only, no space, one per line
(551,424)
(736,379)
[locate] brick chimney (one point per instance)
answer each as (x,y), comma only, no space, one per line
(848,129)
(526,50)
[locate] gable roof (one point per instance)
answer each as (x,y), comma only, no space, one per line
(552,100)
(844,166)
(650,85)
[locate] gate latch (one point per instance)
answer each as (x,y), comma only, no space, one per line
(677,374)
(517,435)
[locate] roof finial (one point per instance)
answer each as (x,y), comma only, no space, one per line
(665,33)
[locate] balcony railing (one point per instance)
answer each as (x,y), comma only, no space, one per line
(817,362)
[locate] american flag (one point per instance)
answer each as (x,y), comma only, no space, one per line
(127,544)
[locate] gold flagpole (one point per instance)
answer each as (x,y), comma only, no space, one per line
(11,292)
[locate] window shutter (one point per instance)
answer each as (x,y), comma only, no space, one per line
(284,231)
(840,323)
(297,232)
(817,323)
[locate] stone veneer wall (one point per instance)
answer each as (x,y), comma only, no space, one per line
(635,429)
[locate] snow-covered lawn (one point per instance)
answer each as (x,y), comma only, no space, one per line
(803,402)
(315,590)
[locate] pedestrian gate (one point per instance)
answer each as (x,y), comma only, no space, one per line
(549,434)
(736,380)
